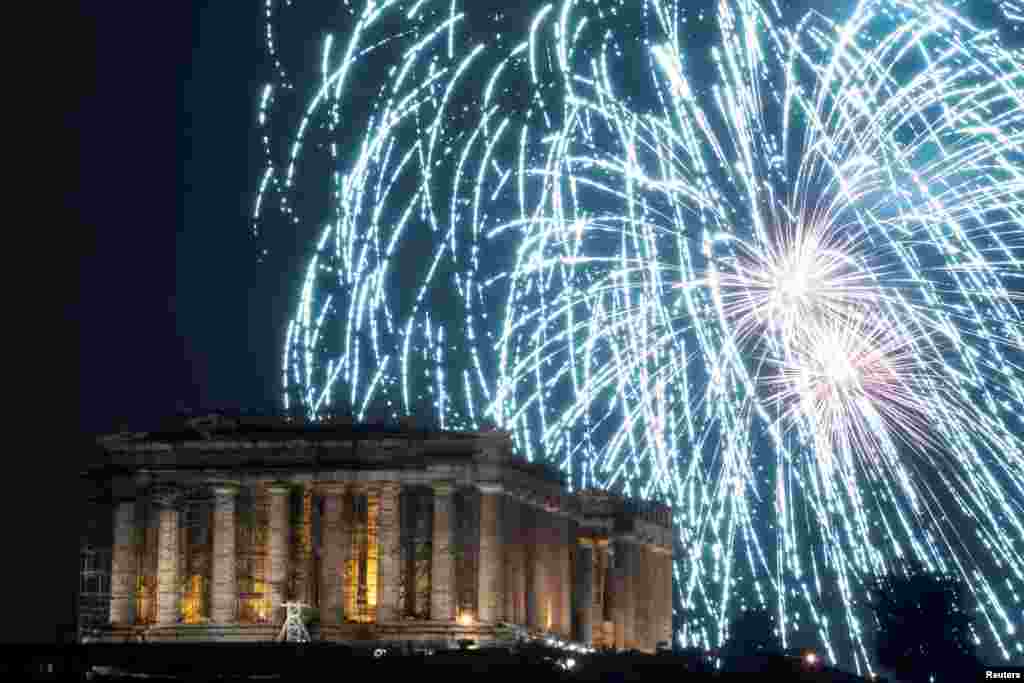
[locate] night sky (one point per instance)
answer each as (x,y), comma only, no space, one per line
(167,306)
(171,308)
(178,314)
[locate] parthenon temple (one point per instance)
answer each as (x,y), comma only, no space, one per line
(388,533)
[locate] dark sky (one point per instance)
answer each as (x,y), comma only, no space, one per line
(168,280)
(160,104)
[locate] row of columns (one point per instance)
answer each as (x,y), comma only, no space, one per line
(336,556)
(224,571)
(524,572)
(636,581)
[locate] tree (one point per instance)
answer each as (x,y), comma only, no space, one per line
(752,632)
(924,626)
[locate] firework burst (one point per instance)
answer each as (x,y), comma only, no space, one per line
(775,284)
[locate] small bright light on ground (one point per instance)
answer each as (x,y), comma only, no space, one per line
(811,658)
(571,663)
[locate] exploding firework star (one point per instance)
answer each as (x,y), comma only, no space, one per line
(775,284)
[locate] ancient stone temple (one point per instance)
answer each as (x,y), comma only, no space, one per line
(391,534)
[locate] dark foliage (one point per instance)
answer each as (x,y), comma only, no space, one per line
(924,625)
(752,632)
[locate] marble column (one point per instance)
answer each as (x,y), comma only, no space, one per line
(332,568)
(513,565)
(168,561)
(616,557)
(643,585)
(389,553)
(442,559)
(491,572)
(667,595)
(184,555)
(585,588)
(653,595)
(304,550)
(277,577)
(538,576)
(521,566)
(625,555)
(552,600)
(541,572)
(123,566)
(564,604)
(224,594)
(657,607)
(601,590)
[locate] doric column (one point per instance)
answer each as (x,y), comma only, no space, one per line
(634,576)
(182,560)
(521,567)
(531,602)
(657,604)
(665,583)
(333,546)
(168,588)
(643,585)
(537,603)
(565,576)
(304,556)
(615,595)
(657,592)
(442,560)
(552,569)
(600,591)
(627,560)
(491,572)
(278,550)
(225,566)
(515,561)
(585,588)
(123,566)
(389,554)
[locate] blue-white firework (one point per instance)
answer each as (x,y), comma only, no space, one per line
(776,284)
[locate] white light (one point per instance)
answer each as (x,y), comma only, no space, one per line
(811,658)
(570,663)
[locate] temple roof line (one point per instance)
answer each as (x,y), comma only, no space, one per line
(260,451)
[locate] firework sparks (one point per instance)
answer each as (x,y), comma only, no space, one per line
(783,298)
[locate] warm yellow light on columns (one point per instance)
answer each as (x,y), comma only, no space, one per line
(124,563)
(225,570)
(278,552)
(490,569)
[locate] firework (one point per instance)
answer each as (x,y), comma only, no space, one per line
(781,295)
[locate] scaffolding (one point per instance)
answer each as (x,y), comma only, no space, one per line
(294,628)
(93,591)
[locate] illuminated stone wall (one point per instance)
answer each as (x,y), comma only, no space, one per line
(447,534)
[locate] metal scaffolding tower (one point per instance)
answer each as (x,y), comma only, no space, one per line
(294,630)
(93,591)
